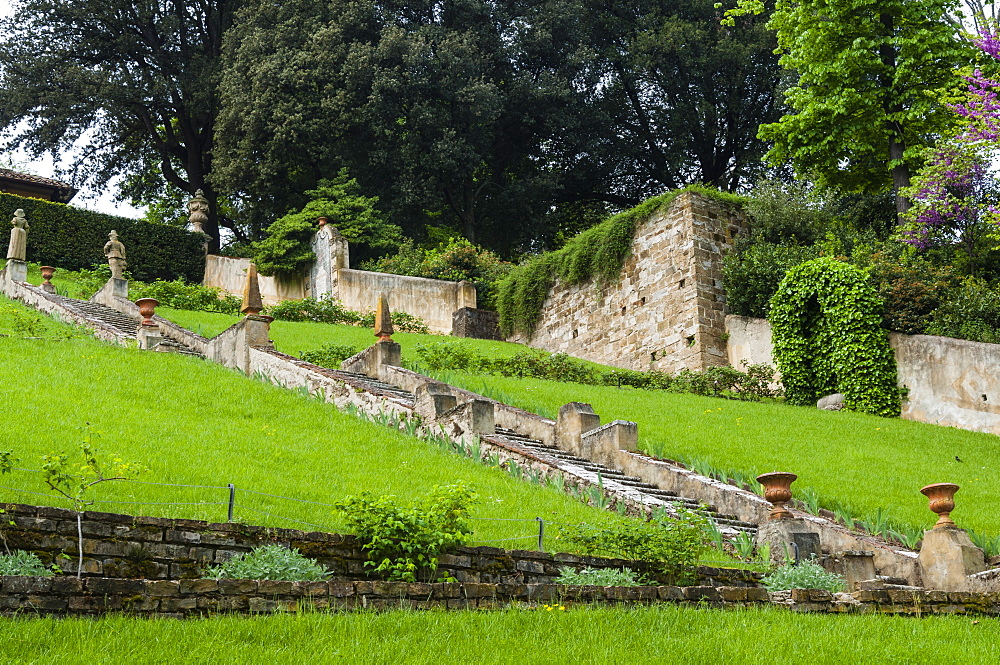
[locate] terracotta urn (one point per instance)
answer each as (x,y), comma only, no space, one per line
(941,500)
(778,490)
(47,272)
(147,307)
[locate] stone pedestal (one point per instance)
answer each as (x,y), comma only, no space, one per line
(858,567)
(574,419)
(16,271)
(475,323)
(119,287)
(947,558)
(431,400)
(602,444)
(258,330)
(149,337)
(783,535)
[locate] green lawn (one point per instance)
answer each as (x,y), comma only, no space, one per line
(192,422)
(856,462)
(664,634)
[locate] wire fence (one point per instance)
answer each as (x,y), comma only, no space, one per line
(237,510)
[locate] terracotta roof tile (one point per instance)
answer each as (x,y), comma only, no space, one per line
(36,179)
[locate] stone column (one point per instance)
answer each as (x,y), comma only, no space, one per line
(332,254)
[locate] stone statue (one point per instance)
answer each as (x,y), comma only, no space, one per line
(17,249)
(115,251)
(198,209)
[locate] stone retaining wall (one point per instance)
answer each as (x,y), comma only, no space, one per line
(170,549)
(201,597)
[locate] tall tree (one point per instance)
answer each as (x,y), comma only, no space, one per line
(131,81)
(868,89)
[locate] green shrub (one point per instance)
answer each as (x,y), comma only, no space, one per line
(728,382)
(331,310)
(600,577)
(404,542)
(970,311)
(329,355)
(752,273)
(673,544)
(826,323)
(179,295)
(788,213)
(270,562)
(805,575)
(286,250)
(456,260)
(599,252)
(72,238)
(23,563)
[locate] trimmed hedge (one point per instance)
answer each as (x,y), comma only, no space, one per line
(72,238)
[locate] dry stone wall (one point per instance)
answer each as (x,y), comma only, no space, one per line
(667,312)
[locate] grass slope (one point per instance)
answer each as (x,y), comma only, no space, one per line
(664,634)
(195,423)
(857,462)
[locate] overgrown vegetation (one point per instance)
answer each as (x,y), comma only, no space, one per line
(753,384)
(331,310)
(826,326)
(599,252)
(330,355)
(181,295)
(24,563)
(804,575)
(269,562)
(600,577)
(454,260)
(671,544)
(403,543)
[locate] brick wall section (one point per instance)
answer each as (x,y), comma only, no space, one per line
(171,549)
(668,310)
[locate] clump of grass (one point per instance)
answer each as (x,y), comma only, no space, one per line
(601,577)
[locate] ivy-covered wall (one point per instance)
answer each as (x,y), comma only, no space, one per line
(71,238)
(642,291)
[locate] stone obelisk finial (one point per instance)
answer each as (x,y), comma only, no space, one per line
(252,302)
(383,320)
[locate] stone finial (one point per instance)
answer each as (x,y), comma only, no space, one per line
(198,211)
(778,490)
(18,247)
(323,221)
(383,320)
(252,303)
(941,500)
(115,251)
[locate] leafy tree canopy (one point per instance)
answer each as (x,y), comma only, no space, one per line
(133,82)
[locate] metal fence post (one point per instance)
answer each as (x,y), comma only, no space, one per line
(541,534)
(232,500)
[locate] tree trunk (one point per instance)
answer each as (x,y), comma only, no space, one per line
(900,176)
(890,105)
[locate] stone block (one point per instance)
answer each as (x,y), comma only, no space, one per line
(198,586)
(432,400)
(858,567)
(237,587)
(603,443)
(947,557)
(732,594)
(475,323)
(573,420)
(701,593)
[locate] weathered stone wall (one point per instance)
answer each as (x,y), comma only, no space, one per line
(170,549)
(667,312)
(61,596)
(433,300)
(229,274)
(951,382)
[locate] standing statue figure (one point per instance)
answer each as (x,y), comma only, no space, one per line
(18,237)
(115,251)
(198,209)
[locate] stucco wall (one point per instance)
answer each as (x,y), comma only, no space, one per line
(229,273)
(433,300)
(667,312)
(951,382)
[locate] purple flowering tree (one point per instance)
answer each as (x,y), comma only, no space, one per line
(956,194)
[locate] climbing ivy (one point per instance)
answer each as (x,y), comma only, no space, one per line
(599,252)
(826,326)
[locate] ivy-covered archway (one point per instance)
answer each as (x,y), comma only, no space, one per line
(826,327)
